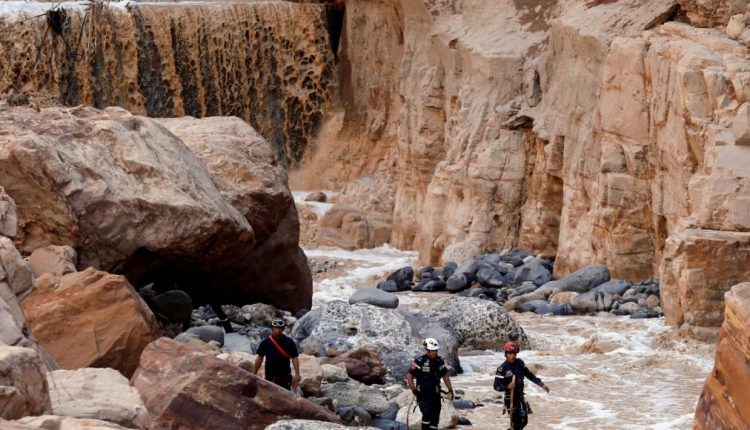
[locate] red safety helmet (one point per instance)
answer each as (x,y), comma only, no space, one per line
(511,346)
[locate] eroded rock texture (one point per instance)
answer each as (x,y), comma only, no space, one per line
(590,131)
(267,62)
(185,388)
(250,177)
(133,199)
(72,316)
(725,401)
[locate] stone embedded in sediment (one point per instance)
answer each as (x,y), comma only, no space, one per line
(725,400)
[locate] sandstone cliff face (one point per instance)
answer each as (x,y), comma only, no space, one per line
(267,62)
(591,131)
(725,401)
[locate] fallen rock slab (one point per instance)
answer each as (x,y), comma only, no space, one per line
(90,319)
(100,394)
(188,389)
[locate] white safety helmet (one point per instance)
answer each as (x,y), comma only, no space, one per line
(431,344)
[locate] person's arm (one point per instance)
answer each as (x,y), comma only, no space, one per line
(410,379)
(533,378)
(447,380)
(502,380)
(296,378)
(258,362)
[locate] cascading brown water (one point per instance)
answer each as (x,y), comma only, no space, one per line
(270,63)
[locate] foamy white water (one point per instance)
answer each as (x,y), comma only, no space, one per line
(363,268)
(605,372)
(319,208)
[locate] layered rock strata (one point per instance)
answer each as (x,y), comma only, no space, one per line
(558,127)
(270,63)
(725,400)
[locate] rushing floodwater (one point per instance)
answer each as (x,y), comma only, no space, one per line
(605,372)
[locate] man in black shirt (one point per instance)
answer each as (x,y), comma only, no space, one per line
(509,379)
(279,350)
(428,370)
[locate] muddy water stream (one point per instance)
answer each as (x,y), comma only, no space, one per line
(605,372)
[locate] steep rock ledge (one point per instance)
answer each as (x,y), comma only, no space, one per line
(267,62)
(587,131)
(725,401)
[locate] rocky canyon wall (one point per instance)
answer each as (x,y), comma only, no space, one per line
(725,400)
(591,131)
(270,63)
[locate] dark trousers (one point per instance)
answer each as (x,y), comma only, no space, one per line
(430,407)
(520,414)
(283,381)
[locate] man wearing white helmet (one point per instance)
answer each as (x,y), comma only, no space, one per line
(428,370)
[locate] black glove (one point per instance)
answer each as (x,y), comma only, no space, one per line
(415,392)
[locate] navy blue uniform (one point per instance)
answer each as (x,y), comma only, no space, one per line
(278,369)
(503,377)
(427,374)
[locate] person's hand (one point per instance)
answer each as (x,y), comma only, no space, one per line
(512,385)
(295,381)
(545,387)
(415,391)
(450,395)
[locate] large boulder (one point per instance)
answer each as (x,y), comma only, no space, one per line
(533,271)
(342,327)
(478,323)
(72,317)
(251,179)
(375,297)
(362,363)
(353,393)
(102,394)
(22,383)
(725,400)
(186,388)
(351,228)
(132,198)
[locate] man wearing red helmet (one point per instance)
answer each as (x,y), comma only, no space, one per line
(509,379)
